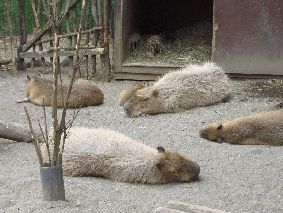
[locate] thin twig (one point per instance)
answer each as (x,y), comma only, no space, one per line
(82,58)
(34,139)
(46,142)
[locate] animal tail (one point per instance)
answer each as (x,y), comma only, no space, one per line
(24,100)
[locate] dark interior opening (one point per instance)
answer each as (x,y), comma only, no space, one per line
(167,18)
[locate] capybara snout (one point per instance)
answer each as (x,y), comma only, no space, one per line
(128,108)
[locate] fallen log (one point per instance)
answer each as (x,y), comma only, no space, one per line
(15,131)
(4,61)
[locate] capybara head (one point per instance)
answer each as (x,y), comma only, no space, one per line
(213,132)
(176,168)
(127,94)
(143,101)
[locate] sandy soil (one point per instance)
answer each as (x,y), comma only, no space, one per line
(233,178)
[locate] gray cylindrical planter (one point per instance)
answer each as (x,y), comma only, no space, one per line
(52,183)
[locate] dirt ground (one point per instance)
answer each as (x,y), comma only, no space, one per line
(233,178)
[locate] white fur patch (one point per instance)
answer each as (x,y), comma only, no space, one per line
(194,85)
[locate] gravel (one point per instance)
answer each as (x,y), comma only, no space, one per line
(233,177)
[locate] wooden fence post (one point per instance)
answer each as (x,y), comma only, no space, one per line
(23,33)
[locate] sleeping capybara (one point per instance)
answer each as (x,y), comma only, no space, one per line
(192,86)
(39,90)
(109,154)
(264,128)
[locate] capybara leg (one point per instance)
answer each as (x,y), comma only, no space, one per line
(24,100)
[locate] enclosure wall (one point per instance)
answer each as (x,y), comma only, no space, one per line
(249,36)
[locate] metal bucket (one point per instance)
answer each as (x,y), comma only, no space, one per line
(52,183)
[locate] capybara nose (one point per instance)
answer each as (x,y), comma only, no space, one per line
(196,171)
(202,133)
(128,109)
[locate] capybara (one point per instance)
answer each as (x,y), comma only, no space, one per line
(83,93)
(128,93)
(134,41)
(192,86)
(264,128)
(109,154)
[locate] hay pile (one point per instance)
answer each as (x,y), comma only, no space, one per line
(189,45)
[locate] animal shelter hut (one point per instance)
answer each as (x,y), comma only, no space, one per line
(153,37)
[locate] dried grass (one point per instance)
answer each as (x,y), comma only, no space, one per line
(192,45)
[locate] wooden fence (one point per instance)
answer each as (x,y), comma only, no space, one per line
(95,43)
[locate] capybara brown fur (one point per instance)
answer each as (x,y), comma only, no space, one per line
(264,128)
(192,86)
(109,154)
(128,93)
(39,91)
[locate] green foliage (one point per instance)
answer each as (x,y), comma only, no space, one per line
(30,23)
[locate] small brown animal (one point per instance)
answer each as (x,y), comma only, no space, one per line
(192,86)
(155,44)
(134,41)
(110,154)
(264,128)
(39,91)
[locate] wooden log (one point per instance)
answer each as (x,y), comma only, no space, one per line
(4,61)
(36,38)
(42,32)
(15,131)
(67,35)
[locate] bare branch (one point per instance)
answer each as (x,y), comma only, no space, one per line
(75,68)
(46,142)
(46,134)
(34,138)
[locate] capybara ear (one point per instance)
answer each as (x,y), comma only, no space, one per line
(145,93)
(220,127)
(160,149)
(28,77)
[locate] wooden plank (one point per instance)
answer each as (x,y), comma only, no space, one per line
(96,51)
(182,207)
(152,65)
(148,70)
(135,76)
(118,36)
